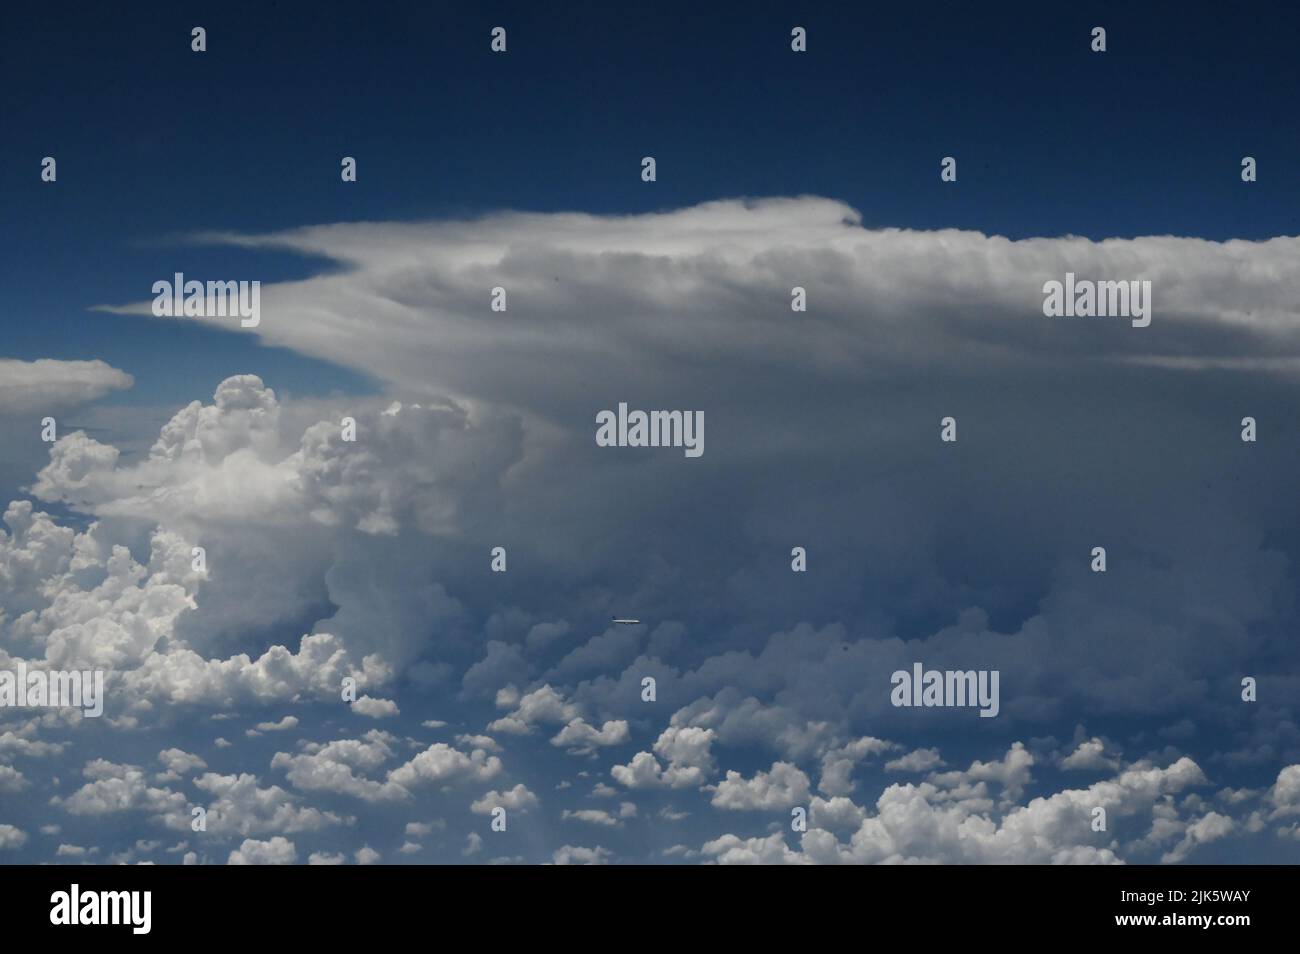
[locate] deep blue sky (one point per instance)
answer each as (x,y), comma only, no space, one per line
(154,140)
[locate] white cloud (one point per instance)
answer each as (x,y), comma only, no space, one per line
(1012,773)
(918,760)
(838,763)
(420,829)
(576,855)
(543,705)
(581,738)
(294,518)
(19,741)
(926,823)
(1208,828)
(284,725)
(783,787)
(11,837)
(179,762)
(592,816)
(1285,793)
(1090,756)
(687,753)
(732,850)
(684,266)
(11,780)
(441,763)
(237,805)
(341,766)
(517,799)
(117,788)
(836,813)
(277,851)
(375,708)
(48,385)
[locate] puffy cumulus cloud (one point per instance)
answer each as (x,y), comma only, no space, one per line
(687,756)
(49,385)
(21,741)
(282,725)
(1090,756)
(291,513)
(341,766)
(278,675)
(928,824)
(918,760)
(686,751)
(224,474)
(178,763)
(478,742)
(237,805)
(78,602)
(1209,827)
(12,781)
(114,787)
(517,799)
(544,705)
(583,739)
(36,549)
(12,837)
(835,813)
(345,766)
(737,718)
(375,708)
(839,761)
(1285,793)
(644,771)
(577,855)
(733,850)
(276,851)
(784,786)
(1011,773)
(102,609)
(76,460)
(440,763)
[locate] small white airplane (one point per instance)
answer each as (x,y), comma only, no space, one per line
(627,622)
